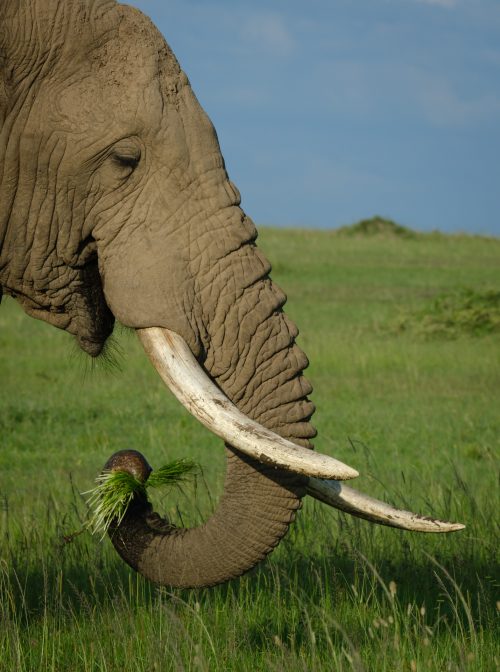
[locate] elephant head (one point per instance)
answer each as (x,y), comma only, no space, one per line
(115,203)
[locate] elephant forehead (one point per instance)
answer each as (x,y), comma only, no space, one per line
(120,77)
(96,102)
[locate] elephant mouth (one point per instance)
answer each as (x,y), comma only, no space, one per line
(93,330)
(91,347)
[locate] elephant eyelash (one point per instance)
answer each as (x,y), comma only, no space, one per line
(124,161)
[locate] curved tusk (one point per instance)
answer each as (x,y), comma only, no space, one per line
(357,504)
(179,369)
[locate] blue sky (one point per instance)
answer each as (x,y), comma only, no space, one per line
(329,111)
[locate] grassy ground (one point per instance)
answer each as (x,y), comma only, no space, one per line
(418,417)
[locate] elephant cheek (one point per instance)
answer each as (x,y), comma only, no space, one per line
(150,290)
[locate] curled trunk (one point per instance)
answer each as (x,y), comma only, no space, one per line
(251,355)
(253,514)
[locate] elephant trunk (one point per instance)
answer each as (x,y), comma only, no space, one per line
(251,355)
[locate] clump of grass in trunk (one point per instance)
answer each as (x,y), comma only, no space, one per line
(452,314)
(115,491)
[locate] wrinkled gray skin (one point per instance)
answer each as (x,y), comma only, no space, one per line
(115,203)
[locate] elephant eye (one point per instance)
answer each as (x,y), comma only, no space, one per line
(127,160)
(126,156)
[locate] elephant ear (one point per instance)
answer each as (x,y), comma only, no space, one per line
(4,52)
(35,34)
(16,22)
(26,39)
(3,95)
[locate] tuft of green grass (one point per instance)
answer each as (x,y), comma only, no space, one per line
(110,499)
(115,490)
(451,314)
(173,473)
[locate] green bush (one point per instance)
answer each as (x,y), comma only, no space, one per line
(452,314)
(376,226)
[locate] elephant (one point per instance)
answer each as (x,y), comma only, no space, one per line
(115,204)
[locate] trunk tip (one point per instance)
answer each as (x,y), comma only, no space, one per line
(131,461)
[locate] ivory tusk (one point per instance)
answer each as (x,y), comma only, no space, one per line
(357,504)
(179,369)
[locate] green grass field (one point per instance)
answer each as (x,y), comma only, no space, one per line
(418,416)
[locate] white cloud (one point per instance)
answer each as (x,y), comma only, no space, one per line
(439,3)
(268,30)
(360,89)
(443,105)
